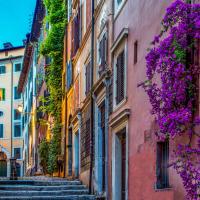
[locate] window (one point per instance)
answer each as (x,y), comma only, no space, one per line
(83,18)
(18,67)
(17,130)
(162,165)
(118,5)
(1,113)
(69,74)
(1,130)
(102,53)
(17,153)
(17,95)
(2,69)
(2,94)
(135,52)
(18,169)
(75,34)
(120,77)
(87,78)
(17,115)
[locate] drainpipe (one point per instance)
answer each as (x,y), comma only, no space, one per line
(65,126)
(11,112)
(107,83)
(92,101)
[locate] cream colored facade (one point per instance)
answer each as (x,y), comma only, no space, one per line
(9,58)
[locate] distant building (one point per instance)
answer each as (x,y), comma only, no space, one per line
(32,86)
(11,137)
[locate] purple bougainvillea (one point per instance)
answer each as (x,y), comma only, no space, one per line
(174,97)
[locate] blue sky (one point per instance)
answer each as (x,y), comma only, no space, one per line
(15,20)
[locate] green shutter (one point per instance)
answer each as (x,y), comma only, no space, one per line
(4,94)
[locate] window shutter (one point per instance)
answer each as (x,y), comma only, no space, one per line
(4,94)
(88,78)
(104,52)
(120,78)
(73,26)
(1,130)
(4,70)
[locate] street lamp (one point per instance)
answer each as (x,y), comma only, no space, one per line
(20,108)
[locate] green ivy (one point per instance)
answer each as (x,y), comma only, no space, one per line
(44,152)
(53,47)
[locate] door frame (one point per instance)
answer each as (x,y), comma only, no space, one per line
(115,177)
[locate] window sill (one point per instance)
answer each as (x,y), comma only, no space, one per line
(118,106)
(18,138)
(163,189)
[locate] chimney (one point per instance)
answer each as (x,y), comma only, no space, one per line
(24,42)
(7,45)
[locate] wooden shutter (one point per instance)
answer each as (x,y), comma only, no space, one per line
(88,78)
(73,36)
(102,54)
(120,72)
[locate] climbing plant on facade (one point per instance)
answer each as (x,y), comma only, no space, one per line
(171,85)
(53,47)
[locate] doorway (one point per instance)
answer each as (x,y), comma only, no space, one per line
(101,149)
(76,153)
(120,165)
(70,151)
(3,164)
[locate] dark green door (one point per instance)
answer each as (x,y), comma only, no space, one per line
(3,168)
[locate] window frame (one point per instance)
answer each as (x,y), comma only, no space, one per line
(18,63)
(85,66)
(17,124)
(21,157)
(123,46)
(15,114)
(15,87)
(2,73)
(103,33)
(2,131)
(160,184)
(118,7)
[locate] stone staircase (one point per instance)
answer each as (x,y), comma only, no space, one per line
(44,189)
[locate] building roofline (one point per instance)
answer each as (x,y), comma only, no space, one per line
(12,48)
(32,37)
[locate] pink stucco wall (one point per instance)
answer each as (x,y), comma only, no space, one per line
(143,19)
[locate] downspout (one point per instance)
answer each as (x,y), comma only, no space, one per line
(92,101)
(65,126)
(11,113)
(107,84)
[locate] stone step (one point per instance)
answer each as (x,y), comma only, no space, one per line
(38,183)
(70,197)
(43,193)
(40,188)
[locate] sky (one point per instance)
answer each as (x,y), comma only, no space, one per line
(15,20)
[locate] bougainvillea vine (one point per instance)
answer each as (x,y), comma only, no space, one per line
(172,74)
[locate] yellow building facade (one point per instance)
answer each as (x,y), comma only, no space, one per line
(11,137)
